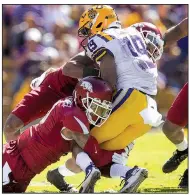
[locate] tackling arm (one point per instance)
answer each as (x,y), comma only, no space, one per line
(108,70)
(80,138)
(176,32)
(90,145)
(80,66)
(12,127)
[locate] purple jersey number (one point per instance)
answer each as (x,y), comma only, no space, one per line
(135,45)
(92,45)
(137,48)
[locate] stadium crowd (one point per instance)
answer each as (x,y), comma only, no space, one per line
(36,37)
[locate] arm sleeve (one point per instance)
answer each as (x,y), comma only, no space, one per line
(97,46)
(99,156)
(76,122)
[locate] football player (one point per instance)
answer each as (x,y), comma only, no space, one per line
(44,143)
(126,58)
(177,116)
(51,86)
(46,90)
(148,36)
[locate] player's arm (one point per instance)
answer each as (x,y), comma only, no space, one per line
(11,135)
(80,66)
(12,127)
(37,81)
(108,69)
(99,50)
(80,138)
(76,127)
(90,145)
(175,33)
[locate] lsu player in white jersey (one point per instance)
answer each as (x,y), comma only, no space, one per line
(127,59)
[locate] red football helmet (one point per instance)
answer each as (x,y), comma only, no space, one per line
(153,39)
(94,96)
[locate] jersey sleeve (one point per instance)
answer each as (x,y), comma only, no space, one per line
(97,46)
(76,121)
(99,156)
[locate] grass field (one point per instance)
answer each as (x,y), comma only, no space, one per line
(150,151)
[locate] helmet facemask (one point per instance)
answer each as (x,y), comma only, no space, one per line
(96,19)
(154,45)
(85,31)
(97,111)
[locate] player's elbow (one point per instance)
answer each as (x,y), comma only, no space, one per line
(12,125)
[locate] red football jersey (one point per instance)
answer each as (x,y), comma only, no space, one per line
(61,84)
(39,101)
(42,144)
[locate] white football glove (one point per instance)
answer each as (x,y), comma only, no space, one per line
(37,81)
(122,158)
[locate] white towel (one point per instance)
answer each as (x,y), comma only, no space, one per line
(150,114)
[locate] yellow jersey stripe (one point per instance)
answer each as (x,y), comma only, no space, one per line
(98,51)
(100,56)
(122,97)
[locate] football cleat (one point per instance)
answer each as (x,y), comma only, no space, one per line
(173,163)
(133,178)
(56,179)
(92,176)
(184,180)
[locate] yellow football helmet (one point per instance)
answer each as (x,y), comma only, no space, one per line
(97,18)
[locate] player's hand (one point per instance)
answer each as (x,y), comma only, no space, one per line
(37,81)
(66,134)
(120,158)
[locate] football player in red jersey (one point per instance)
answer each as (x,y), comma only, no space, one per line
(43,144)
(51,86)
(171,36)
(177,116)
(111,163)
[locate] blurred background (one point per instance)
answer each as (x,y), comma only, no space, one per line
(36,37)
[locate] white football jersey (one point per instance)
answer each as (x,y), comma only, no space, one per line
(134,68)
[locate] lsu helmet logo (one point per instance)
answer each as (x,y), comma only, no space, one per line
(92,13)
(88,86)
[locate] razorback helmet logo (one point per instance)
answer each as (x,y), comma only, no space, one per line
(88,86)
